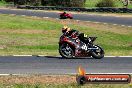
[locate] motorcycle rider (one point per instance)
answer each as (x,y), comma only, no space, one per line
(63,13)
(68,31)
(79,49)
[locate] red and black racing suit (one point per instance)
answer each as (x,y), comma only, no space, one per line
(80,35)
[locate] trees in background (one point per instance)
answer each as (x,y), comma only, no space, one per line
(34,2)
(8,0)
(125,3)
(69,3)
(106,3)
(65,3)
(111,3)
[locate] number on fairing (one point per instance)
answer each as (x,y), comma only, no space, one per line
(84,47)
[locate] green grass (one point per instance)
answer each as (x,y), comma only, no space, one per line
(92,3)
(3,3)
(23,23)
(26,35)
(72,85)
(89,3)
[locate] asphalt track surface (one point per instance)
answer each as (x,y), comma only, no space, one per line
(84,17)
(57,65)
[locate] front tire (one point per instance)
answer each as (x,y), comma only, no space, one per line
(66,51)
(99,53)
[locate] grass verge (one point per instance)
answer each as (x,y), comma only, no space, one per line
(50,81)
(29,35)
(72,85)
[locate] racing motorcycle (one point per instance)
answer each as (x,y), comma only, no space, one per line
(72,47)
(65,16)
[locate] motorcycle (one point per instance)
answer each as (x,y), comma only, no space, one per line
(72,47)
(65,16)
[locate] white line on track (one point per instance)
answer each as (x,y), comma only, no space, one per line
(117,56)
(110,56)
(101,73)
(88,21)
(4,74)
(96,22)
(45,17)
(77,20)
(105,23)
(91,14)
(58,74)
(122,25)
(15,74)
(123,56)
(129,26)
(41,55)
(34,16)
(23,15)
(117,16)
(114,24)
(22,55)
(57,18)
(59,56)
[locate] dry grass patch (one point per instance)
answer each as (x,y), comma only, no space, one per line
(27,31)
(34,79)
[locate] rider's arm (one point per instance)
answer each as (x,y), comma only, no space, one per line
(75,31)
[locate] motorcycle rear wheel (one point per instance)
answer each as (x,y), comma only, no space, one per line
(66,51)
(71,17)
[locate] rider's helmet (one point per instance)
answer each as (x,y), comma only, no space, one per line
(65,29)
(64,12)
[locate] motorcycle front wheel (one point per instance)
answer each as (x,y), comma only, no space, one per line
(66,51)
(98,53)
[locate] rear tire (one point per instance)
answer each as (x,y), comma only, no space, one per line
(71,17)
(66,51)
(98,54)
